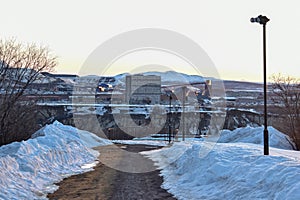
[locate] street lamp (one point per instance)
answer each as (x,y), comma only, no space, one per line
(263,21)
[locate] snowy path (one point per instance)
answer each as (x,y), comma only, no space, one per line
(107,183)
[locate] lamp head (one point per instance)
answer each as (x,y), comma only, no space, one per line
(260,19)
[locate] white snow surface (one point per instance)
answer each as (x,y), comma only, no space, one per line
(29,169)
(228,171)
(166,77)
(255,136)
(234,168)
(172,76)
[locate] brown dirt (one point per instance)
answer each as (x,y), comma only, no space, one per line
(108,183)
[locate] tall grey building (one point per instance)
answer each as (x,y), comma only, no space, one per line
(142,89)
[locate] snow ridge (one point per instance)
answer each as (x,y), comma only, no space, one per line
(235,168)
(229,171)
(255,136)
(29,169)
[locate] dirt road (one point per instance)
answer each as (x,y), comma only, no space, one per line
(108,183)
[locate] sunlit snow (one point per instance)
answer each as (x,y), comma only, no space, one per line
(231,170)
(29,169)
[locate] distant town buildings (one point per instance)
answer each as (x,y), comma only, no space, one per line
(108,91)
(141,89)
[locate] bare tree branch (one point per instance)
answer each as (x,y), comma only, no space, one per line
(20,66)
(287,93)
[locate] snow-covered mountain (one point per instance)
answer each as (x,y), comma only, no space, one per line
(169,77)
(176,77)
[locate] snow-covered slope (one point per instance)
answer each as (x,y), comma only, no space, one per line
(29,169)
(169,77)
(255,136)
(174,77)
(229,171)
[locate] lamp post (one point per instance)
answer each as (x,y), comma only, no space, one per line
(183,112)
(169,94)
(263,21)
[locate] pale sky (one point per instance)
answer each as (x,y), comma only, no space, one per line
(73,29)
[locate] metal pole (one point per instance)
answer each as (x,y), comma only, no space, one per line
(170,118)
(183,112)
(266,134)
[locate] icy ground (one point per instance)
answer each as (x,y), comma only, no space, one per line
(234,170)
(29,169)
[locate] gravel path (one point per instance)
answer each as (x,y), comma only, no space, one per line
(108,183)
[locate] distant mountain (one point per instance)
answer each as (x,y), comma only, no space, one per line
(241,85)
(169,77)
(176,77)
(172,78)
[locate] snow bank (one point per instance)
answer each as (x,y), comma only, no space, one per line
(29,168)
(229,171)
(255,136)
(144,142)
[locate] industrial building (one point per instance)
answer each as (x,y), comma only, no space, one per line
(142,89)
